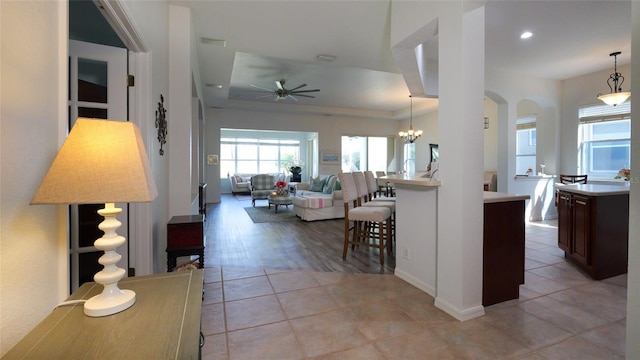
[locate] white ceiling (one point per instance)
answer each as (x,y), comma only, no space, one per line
(272,40)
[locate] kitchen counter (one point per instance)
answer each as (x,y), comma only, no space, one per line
(594,189)
(494,197)
(418,179)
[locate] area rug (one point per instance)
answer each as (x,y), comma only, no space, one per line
(242,197)
(262,214)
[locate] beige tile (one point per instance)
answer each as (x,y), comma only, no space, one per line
(327,278)
(383,319)
(212,293)
(543,257)
(608,301)
(293,280)
(212,317)
(566,276)
(577,348)
(524,327)
(247,288)
(562,315)
(327,333)
(475,340)
(353,293)
(420,308)
(306,302)
(273,341)
(236,273)
(541,285)
(612,336)
(242,314)
(620,280)
(215,347)
(532,264)
(212,274)
(421,344)
(364,352)
(391,286)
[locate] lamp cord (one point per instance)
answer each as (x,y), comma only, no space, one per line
(71,302)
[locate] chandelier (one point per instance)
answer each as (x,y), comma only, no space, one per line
(617,96)
(410,135)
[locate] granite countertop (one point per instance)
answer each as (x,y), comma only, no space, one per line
(594,189)
(494,197)
(418,179)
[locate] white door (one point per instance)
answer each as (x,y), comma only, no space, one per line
(97,89)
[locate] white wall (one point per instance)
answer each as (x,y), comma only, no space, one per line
(33,243)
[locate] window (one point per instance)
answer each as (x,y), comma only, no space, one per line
(409,158)
(361,153)
(525,144)
(604,140)
(255,156)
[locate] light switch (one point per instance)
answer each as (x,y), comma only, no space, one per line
(212,159)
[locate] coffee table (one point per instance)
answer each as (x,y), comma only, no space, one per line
(278,200)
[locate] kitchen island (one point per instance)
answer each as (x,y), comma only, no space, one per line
(593,227)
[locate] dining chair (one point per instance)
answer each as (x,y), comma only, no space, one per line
(573,179)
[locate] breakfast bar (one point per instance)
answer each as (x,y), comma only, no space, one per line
(417,237)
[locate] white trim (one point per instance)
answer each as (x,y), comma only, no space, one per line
(415,282)
(460,314)
(140,112)
(117,15)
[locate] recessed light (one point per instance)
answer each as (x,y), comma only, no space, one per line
(526,35)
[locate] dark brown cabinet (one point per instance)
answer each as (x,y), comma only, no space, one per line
(185,236)
(593,231)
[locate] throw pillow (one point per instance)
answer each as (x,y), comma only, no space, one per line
(239,179)
(329,184)
(337,186)
(316,184)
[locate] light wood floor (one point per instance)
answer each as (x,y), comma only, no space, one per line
(233,240)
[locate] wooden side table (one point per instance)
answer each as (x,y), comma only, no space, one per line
(185,236)
(164,323)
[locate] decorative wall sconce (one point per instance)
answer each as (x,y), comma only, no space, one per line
(486,123)
(161,123)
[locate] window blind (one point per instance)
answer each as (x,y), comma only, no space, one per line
(604,112)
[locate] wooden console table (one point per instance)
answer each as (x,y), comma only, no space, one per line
(185,236)
(164,323)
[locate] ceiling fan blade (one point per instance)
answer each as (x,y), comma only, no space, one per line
(280,84)
(260,87)
(293,97)
(304,91)
(297,87)
(307,96)
(262,96)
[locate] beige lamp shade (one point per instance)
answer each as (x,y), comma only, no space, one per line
(101,161)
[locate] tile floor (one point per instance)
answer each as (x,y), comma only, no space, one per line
(263,314)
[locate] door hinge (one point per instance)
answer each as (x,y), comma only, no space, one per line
(131,80)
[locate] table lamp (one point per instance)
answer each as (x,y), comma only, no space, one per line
(101,161)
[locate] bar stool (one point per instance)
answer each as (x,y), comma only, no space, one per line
(361,214)
(364,196)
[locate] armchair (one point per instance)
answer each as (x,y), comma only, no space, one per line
(261,186)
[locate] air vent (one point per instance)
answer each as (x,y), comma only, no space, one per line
(215,42)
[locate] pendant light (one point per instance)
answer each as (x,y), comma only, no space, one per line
(410,135)
(615,80)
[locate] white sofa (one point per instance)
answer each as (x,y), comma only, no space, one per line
(240,183)
(312,205)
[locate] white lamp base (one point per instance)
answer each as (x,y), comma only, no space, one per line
(112,299)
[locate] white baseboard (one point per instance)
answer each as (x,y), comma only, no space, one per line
(460,314)
(415,282)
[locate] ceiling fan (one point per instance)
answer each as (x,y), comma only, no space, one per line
(282,93)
